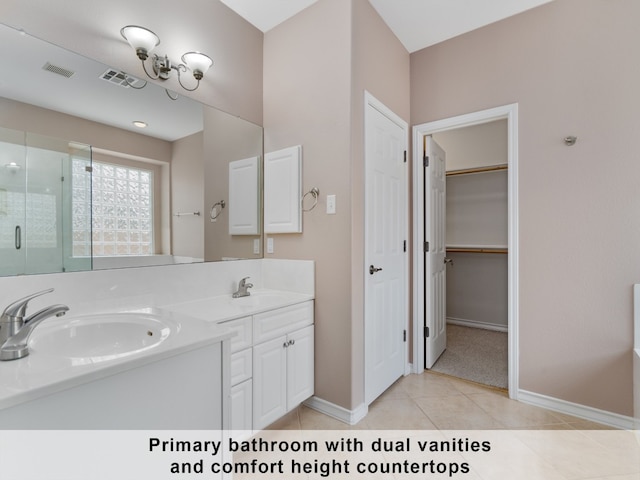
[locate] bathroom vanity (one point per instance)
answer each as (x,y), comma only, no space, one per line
(272,352)
(70,381)
(164,347)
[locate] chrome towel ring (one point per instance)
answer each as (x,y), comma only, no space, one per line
(315,193)
(216,210)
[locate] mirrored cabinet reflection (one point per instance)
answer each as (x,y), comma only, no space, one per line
(45,204)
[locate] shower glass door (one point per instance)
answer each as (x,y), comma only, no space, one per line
(37,204)
(13,182)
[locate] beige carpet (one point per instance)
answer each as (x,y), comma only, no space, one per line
(475,354)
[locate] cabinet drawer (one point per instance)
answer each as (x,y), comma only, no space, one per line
(269,325)
(243,337)
(241,366)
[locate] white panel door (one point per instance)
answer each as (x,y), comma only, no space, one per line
(385,257)
(244,206)
(435,235)
(283,191)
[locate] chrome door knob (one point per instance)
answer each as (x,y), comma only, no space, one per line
(373,269)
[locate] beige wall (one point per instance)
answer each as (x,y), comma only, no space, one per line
(92,28)
(307,102)
(475,146)
(380,65)
(187,195)
(571,66)
(317,65)
(226,139)
(21,116)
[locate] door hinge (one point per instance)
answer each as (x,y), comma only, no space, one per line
(404,335)
(425,160)
(88,169)
(426,246)
(426,332)
(62,179)
(405,156)
(404,246)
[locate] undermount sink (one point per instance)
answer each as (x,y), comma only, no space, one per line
(101,337)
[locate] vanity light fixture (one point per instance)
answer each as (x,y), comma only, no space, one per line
(143,41)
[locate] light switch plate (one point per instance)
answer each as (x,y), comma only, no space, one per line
(270,245)
(256,246)
(331,204)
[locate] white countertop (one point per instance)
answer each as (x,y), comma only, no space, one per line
(222,308)
(40,374)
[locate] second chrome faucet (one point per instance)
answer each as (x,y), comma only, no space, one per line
(243,288)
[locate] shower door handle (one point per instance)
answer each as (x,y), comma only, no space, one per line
(18,237)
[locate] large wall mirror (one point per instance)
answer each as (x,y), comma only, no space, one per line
(99,170)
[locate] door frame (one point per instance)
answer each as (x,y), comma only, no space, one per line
(372,102)
(510,113)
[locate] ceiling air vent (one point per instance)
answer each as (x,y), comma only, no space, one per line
(58,70)
(120,78)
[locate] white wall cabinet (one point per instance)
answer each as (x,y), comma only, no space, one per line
(244,204)
(272,365)
(283,191)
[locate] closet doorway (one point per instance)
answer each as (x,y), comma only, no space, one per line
(476,258)
(481,253)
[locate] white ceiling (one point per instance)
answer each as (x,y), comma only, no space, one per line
(416,23)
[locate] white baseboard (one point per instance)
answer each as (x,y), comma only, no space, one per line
(577,410)
(350,417)
(463,322)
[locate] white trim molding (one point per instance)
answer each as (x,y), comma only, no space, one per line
(581,411)
(350,417)
(510,113)
(463,322)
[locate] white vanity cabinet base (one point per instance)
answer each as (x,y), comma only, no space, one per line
(300,364)
(272,365)
(241,406)
(167,394)
(283,360)
(269,381)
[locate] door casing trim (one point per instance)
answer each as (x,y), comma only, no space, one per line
(510,113)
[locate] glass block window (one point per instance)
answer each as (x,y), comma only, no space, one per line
(122,210)
(80,207)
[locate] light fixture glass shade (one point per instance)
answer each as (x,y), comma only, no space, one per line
(197,62)
(140,38)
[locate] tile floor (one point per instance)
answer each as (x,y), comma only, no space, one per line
(432,401)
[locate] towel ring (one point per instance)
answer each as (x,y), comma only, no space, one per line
(216,210)
(315,193)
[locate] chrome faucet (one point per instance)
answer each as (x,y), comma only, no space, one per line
(243,288)
(15,329)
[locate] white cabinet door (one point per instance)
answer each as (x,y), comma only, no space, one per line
(299,366)
(241,406)
(269,381)
(244,204)
(282,191)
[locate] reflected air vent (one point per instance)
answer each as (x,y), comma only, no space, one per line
(120,78)
(58,70)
